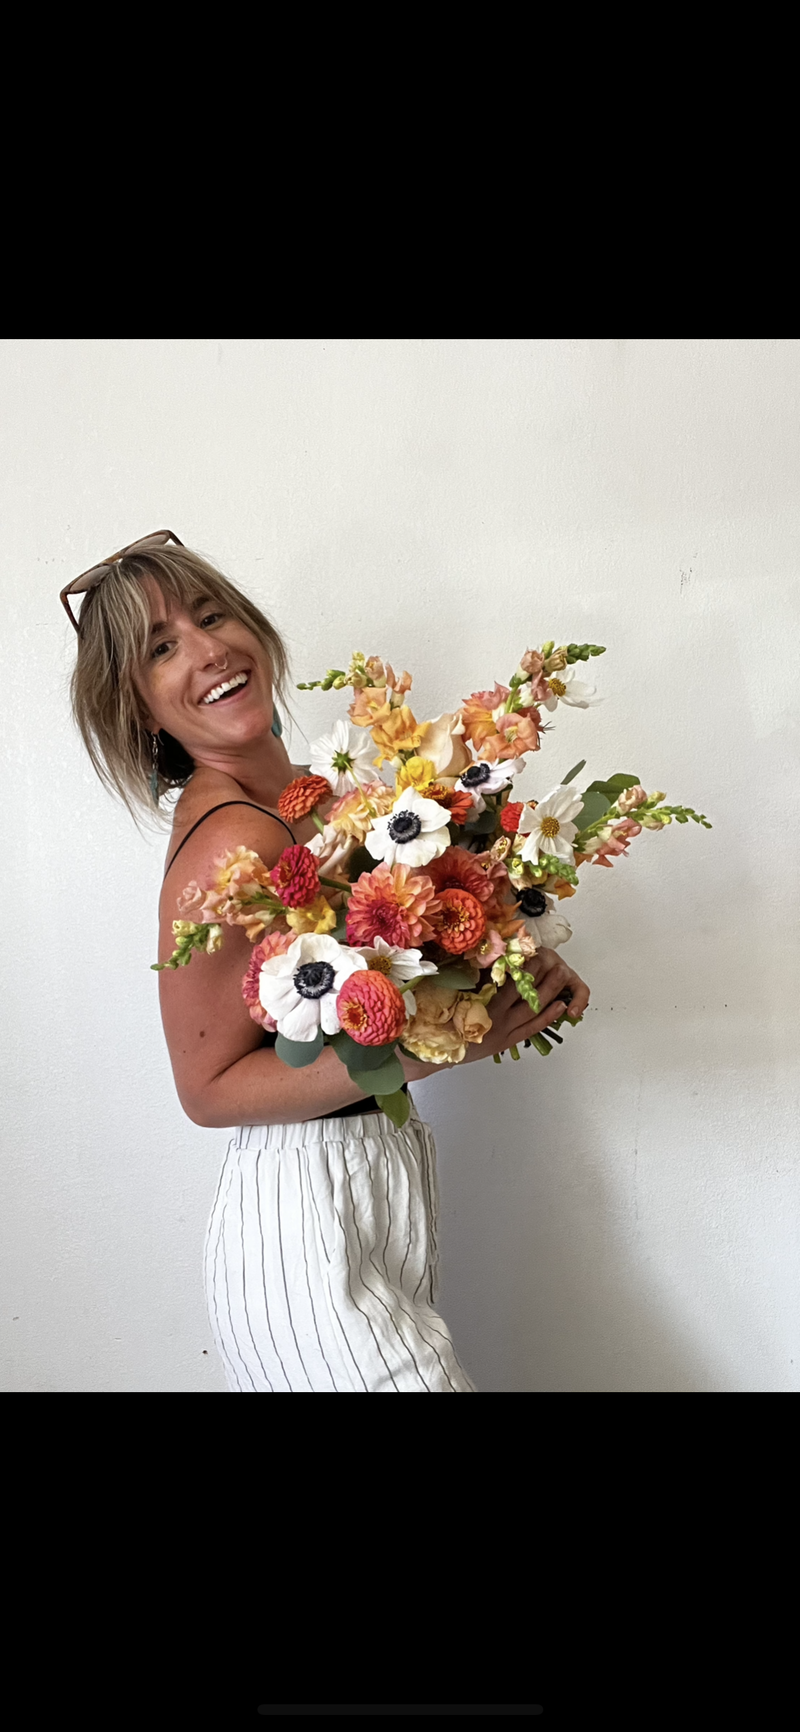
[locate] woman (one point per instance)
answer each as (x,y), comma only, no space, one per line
(320,1256)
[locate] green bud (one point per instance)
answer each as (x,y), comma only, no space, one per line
(547,648)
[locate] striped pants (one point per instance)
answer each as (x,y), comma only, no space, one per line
(320,1261)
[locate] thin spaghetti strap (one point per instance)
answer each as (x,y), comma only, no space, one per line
(219,808)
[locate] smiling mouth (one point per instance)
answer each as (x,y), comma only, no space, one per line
(227,689)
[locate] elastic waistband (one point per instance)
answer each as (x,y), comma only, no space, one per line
(328,1130)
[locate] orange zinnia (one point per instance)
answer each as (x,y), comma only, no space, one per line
(301,796)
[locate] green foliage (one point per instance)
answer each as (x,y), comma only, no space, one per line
(483,824)
(396,1107)
(358,1057)
(360,861)
(458,978)
(299,1053)
(385,1081)
(615,786)
(340,929)
(573,773)
(594,805)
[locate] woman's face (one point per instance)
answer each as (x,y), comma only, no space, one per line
(185,663)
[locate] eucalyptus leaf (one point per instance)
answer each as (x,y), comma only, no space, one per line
(386,1081)
(299,1053)
(455,979)
(353,1054)
(614,786)
(396,1107)
(594,805)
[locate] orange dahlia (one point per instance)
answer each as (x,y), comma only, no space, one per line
(461,923)
(457,869)
(370,1008)
(301,796)
(394,903)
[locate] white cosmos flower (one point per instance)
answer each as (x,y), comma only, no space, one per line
(299,989)
(414,832)
(337,754)
(549,829)
(567,687)
(405,965)
(482,778)
(548,927)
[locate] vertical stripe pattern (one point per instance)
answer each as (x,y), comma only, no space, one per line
(321,1261)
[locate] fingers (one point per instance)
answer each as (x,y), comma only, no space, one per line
(559,988)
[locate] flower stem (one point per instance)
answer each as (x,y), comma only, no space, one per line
(334,884)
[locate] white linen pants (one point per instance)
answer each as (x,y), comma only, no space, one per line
(321,1261)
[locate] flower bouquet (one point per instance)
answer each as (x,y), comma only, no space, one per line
(396,924)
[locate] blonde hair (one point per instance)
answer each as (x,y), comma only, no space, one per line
(112,643)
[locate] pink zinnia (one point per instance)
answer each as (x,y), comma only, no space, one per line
(295,878)
(275,944)
(391,902)
(370,1008)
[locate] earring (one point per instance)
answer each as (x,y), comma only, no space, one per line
(154,771)
(277,724)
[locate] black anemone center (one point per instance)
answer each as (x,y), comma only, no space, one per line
(405,826)
(476,775)
(533,903)
(313,979)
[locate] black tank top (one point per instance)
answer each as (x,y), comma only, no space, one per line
(369,1105)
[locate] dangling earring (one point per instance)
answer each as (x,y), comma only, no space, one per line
(154,771)
(277,724)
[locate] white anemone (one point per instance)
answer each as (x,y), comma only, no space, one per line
(405,965)
(567,687)
(414,832)
(548,928)
(340,753)
(497,776)
(549,828)
(299,988)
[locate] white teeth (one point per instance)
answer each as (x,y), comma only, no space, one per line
(227,686)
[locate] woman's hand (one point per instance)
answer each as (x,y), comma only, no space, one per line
(559,988)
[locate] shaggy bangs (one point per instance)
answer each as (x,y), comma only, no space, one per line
(113,641)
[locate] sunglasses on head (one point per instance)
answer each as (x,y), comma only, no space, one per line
(90,579)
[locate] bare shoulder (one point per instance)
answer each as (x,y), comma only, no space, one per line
(238,823)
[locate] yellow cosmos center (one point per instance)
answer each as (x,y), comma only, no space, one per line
(380,964)
(550,826)
(557,687)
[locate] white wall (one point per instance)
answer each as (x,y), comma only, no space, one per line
(622,1215)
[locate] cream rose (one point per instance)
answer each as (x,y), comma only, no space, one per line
(442,741)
